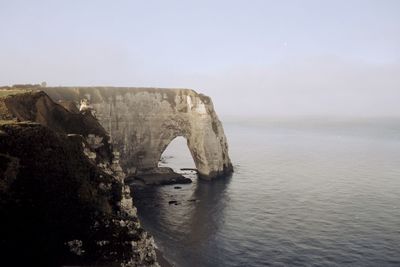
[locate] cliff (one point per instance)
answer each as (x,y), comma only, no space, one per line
(143,121)
(62,194)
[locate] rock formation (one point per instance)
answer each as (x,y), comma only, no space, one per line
(62,194)
(63,197)
(142,122)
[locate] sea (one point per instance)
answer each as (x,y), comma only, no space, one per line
(305,192)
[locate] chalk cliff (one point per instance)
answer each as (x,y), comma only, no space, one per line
(142,122)
(63,199)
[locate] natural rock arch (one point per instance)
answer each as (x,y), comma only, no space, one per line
(177,151)
(143,121)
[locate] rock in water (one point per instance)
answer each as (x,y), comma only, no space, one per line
(160,176)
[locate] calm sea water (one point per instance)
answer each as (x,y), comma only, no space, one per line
(304,193)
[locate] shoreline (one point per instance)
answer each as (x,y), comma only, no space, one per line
(161,259)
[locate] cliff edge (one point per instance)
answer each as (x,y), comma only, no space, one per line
(143,121)
(63,200)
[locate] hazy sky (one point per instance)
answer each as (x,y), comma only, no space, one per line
(252,57)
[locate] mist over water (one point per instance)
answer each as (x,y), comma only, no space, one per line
(304,193)
(281,58)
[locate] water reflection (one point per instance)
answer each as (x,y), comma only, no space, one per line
(208,214)
(190,225)
(303,196)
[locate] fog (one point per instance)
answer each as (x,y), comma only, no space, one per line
(259,58)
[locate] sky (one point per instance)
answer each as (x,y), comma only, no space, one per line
(253,57)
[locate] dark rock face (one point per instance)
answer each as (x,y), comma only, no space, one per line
(51,196)
(62,194)
(38,107)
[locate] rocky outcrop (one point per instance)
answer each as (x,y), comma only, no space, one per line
(159,176)
(143,121)
(39,107)
(62,194)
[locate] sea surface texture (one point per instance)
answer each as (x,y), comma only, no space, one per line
(304,193)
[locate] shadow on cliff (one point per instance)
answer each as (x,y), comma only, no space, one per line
(61,202)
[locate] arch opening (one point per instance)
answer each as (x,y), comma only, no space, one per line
(177,156)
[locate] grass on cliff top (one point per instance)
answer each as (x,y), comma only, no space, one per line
(4,93)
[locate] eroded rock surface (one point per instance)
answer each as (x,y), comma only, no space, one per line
(63,199)
(143,121)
